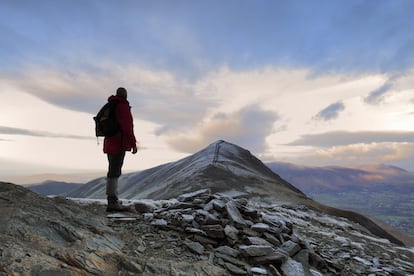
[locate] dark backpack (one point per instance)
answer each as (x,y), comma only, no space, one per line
(106,123)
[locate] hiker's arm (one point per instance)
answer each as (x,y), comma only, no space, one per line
(127,126)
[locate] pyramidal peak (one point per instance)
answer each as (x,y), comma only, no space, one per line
(225,155)
(222,167)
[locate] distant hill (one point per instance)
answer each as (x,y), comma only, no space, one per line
(375,177)
(382,191)
(51,187)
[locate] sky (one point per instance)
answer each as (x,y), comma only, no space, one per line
(309,82)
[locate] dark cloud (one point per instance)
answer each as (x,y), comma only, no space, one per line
(155,96)
(247,127)
(378,95)
(26,132)
(193,36)
(337,138)
(330,112)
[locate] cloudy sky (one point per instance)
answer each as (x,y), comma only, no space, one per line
(310,82)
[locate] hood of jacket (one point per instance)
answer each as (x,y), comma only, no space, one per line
(114,98)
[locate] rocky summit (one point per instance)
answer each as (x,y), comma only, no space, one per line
(223,167)
(197,233)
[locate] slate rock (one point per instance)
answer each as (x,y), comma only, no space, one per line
(191,196)
(214,231)
(273,220)
(250,212)
(272,239)
(195,247)
(274,258)
(187,218)
(231,232)
(235,270)
(260,227)
(230,259)
(227,250)
(292,268)
(159,222)
(250,232)
(195,231)
(219,205)
(204,217)
(273,270)
(205,240)
(256,271)
(234,214)
(255,250)
(257,241)
(290,247)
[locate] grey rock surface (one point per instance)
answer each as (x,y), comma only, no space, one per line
(45,236)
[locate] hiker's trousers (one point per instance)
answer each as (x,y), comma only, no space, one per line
(115,162)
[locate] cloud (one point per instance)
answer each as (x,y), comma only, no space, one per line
(365,153)
(200,35)
(330,112)
(336,138)
(247,127)
(378,95)
(26,132)
(155,95)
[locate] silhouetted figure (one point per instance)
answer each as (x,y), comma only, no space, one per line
(116,146)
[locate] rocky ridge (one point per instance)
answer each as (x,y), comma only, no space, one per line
(223,167)
(247,239)
(198,233)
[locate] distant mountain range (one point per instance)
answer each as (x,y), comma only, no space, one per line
(380,191)
(51,187)
(374,177)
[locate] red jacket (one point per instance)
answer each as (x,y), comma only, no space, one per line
(125,139)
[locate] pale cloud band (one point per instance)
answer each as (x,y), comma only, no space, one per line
(26,132)
(254,109)
(338,138)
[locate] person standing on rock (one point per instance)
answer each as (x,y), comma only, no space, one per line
(116,146)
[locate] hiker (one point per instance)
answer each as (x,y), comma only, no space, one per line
(116,146)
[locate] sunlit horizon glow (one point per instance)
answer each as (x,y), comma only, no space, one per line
(309,88)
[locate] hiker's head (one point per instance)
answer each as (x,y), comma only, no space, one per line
(121,92)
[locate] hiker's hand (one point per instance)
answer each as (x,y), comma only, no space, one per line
(134,150)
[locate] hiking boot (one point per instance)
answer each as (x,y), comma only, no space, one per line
(114,205)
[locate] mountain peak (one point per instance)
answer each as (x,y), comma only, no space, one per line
(221,166)
(222,150)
